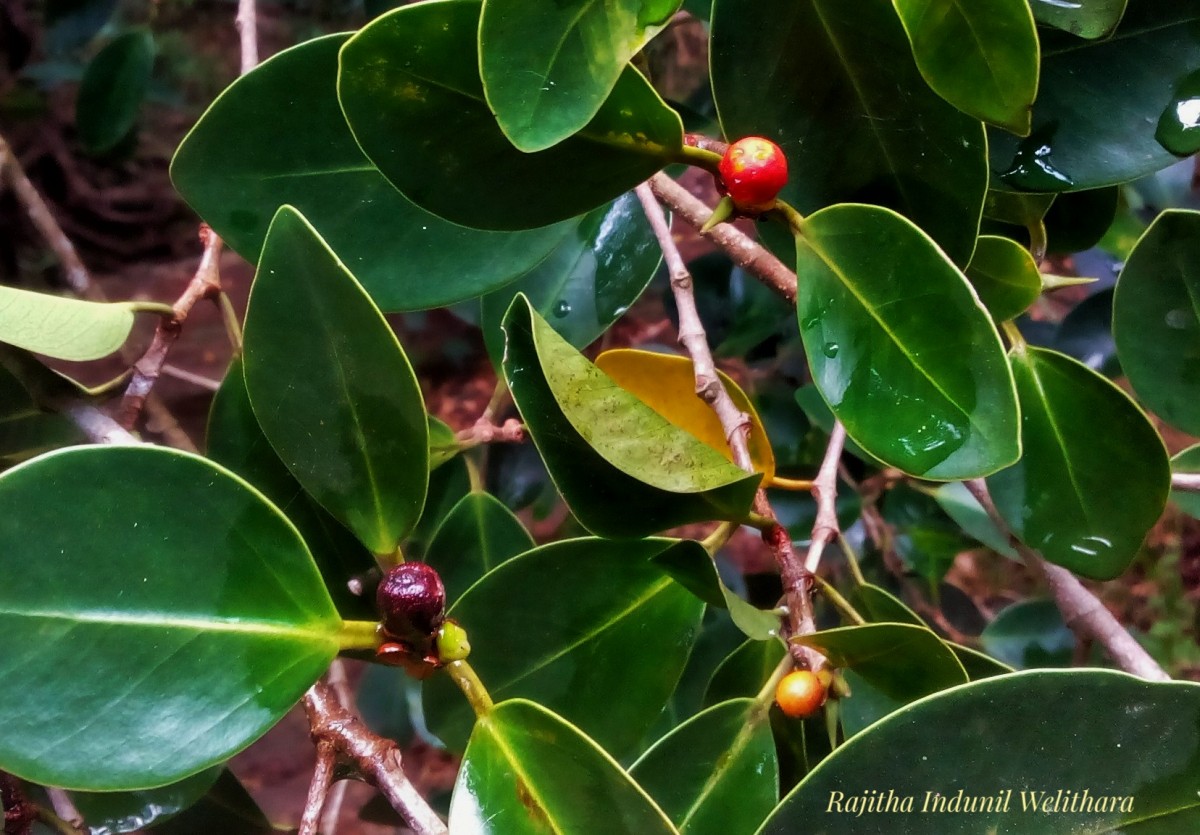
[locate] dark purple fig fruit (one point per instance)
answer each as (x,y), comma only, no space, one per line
(412,603)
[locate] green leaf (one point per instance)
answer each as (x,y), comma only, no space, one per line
(1178,128)
(1005,276)
(980,57)
(594,275)
(68,329)
(915,370)
(227,808)
(1017,208)
(236,441)
(717,773)
(547,69)
(568,625)
(443,445)
(878,605)
(893,664)
(1128,739)
(411,92)
(835,85)
(236,169)
(690,564)
(605,449)
(1085,18)
(1030,633)
(744,671)
(25,430)
(113,813)
(1156,318)
(332,389)
(808,398)
(111,92)
(1187,461)
(526,771)
(1082,435)
(151,576)
(1087,135)
(477,535)
(977,664)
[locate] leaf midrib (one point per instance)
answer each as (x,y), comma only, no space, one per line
(310,630)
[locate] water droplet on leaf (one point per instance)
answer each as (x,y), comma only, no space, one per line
(830,349)
(1179,126)
(562,309)
(1032,166)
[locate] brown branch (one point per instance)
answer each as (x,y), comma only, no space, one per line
(797,582)
(65,809)
(1082,611)
(512,431)
(247,26)
(96,426)
(205,284)
(376,757)
(1186,482)
(43,220)
(318,788)
(745,252)
(824,490)
(19,813)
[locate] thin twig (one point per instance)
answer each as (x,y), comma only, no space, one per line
(376,757)
(205,284)
(744,251)
(797,582)
(512,431)
(824,490)
(337,793)
(1082,611)
(247,26)
(65,808)
(1186,482)
(43,220)
(199,380)
(96,426)
(318,788)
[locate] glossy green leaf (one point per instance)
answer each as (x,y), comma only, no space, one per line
(1179,125)
(1156,318)
(744,671)
(1187,461)
(1128,738)
(808,398)
(1081,435)
(977,664)
(568,625)
(236,441)
(1087,135)
(835,84)
(1085,18)
(1015,207)
(893,664)
(528,772)
(1030,633)
(332,388)
(1078,220)
(588,282)
(477,535)
(169,577)
(690,564)
(605,449)
(968,513)
(414,100)
(68,329)
(111,92)
(1005,276)
(717,773)
(114,813)
(236,169)
(25,430)
(226,808)
(915,370)
(980,57)
(547,69)
(878,605)
(443,445)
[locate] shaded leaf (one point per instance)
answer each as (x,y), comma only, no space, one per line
(980,57)
(169,577)
(605,449)
(1081,436)
(1156,318)
(568,625)
(717,773)
(965,510)
(526,770)
(1187,461)
(590,279)
(111,92)
(25,430)
(68,329)
(690,564)
(415,103)
(835,85)
(1005,276)
(113,813)
(744,671)
(236,169)
(547,69)
(915,371)
(1030,633)
(477,535)
(332,388)
(1085,18)
(1129,739)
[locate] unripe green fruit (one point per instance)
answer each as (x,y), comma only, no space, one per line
(452,643)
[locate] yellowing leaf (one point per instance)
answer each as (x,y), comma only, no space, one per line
(667,385)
